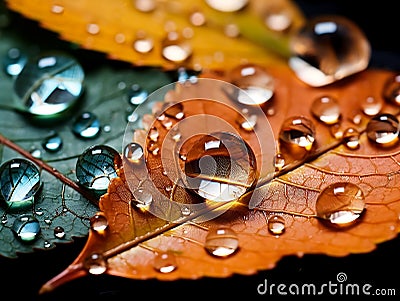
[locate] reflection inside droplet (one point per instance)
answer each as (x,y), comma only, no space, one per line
(133,152)
(86,126)
(221,242)
(326,109)
(298,131)
(95,264)
(26,227)
(276,224)
(99,222)
(383,129)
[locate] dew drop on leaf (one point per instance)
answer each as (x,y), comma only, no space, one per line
(221,242)
(95,264)
(143,44)
(86,126)
(142,198)
(133,152)
(383,129)
(49,84)
(59,232)
(20,182)
(175,48)
(96,166)
(165,262)
(340,204)
(175,111)
(219,166)
(298,131)
(276,224)
(328,48)
(279,161)
(326,109)
(391,90)
(14,61)
(351,138)
(99,222)
(53,143)
(227,6)
(26,227)
(136,94)
(371,106)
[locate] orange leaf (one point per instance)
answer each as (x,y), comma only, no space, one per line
(285,213)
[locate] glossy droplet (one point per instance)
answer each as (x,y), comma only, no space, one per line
(14,62)
(26,227)
(49,84)
(340,204)
(247,122)
(327,49)
(59,232)
(165,262)
(175,111)
(276,224)
(371,106)
(19,183)
(35,152)
(86,126)
(133,152)
(145,6)
(99,222)
(351,138)
(57,9)
(175,48)
(255,83)
(153,134)
(326,109)
(97,166)
(298,131)
(95,264)
(383,129)
(337,131)
(143,44)
(142,198)
(278,19)
(391,90)
(53,143)
(136,94)
(221,242)
(185,211)
(279,161)
(227,6)
(219,166)
(197,18)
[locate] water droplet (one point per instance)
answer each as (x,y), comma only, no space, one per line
(326,109)
(340,204)
(383,129)
(14,62)
(95,264)
(59,232)
(26,227)
(185,211)
(231,30)
(227,6)
(276,224)
(93,28)
(57,9)
(351,138)
(197,18)
(53,143)
(4,219)
(221,242)
(35,152)
(133,152)
(219,166)
(96,166)
(145,6)
(371,106)
(391,90)
(328,48)
(143,44)
(153,148)
(49,84)
(166,122)
(153,134)
(137,95)
(142,198)
(298,131)
(99,222)
(19,183)
(255,83)
(279,161)
(165,262)
(175,111)
(175,48)
(278,19)
(86,126)
(337,131)
(248,122)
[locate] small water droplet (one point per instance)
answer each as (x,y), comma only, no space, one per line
(219,166)
(276,224)
(47,244)
(166,122)
(145,6)
(14,62)
(142,198)
(326,109)
(95,264)
(175,48)
(165,262)
(383,129)
(35,152)
(26,227)
(143,44)
(279,161)
(53,143)
(221,242)
(153,134)
(227,6)
(278,19)
(39,211)
(133,152)
(337,131)
(185,210)
(371,106)
(99,222)
(57,9)
(255,83)
(328,48)
(4,219)
(86,126)
(340,204)
(351,138)
(175,111)
(298,131)
(97,166)
(93,28)
(136,94)
(197,18)
(231,30)
(19,183)
(59,232)
(49,84)
(247,122)
(153,148)
(391,90)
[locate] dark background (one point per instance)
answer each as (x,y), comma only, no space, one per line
(22,278)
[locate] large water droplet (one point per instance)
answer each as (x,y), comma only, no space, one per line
(221,242)
(326,109)
(256,84)
(26,227)
(86,126)
(227,6)
(391,90)
(20,181)
(165,262)
(298,131)
(340,204)
(327,49)
(49,84)
(383,129)
(99,222)
(96,166)
(53,143)
(14,62)
(219,166)
(95,264)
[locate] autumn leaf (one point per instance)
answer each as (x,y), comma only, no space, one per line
(204,36)
(286,214)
